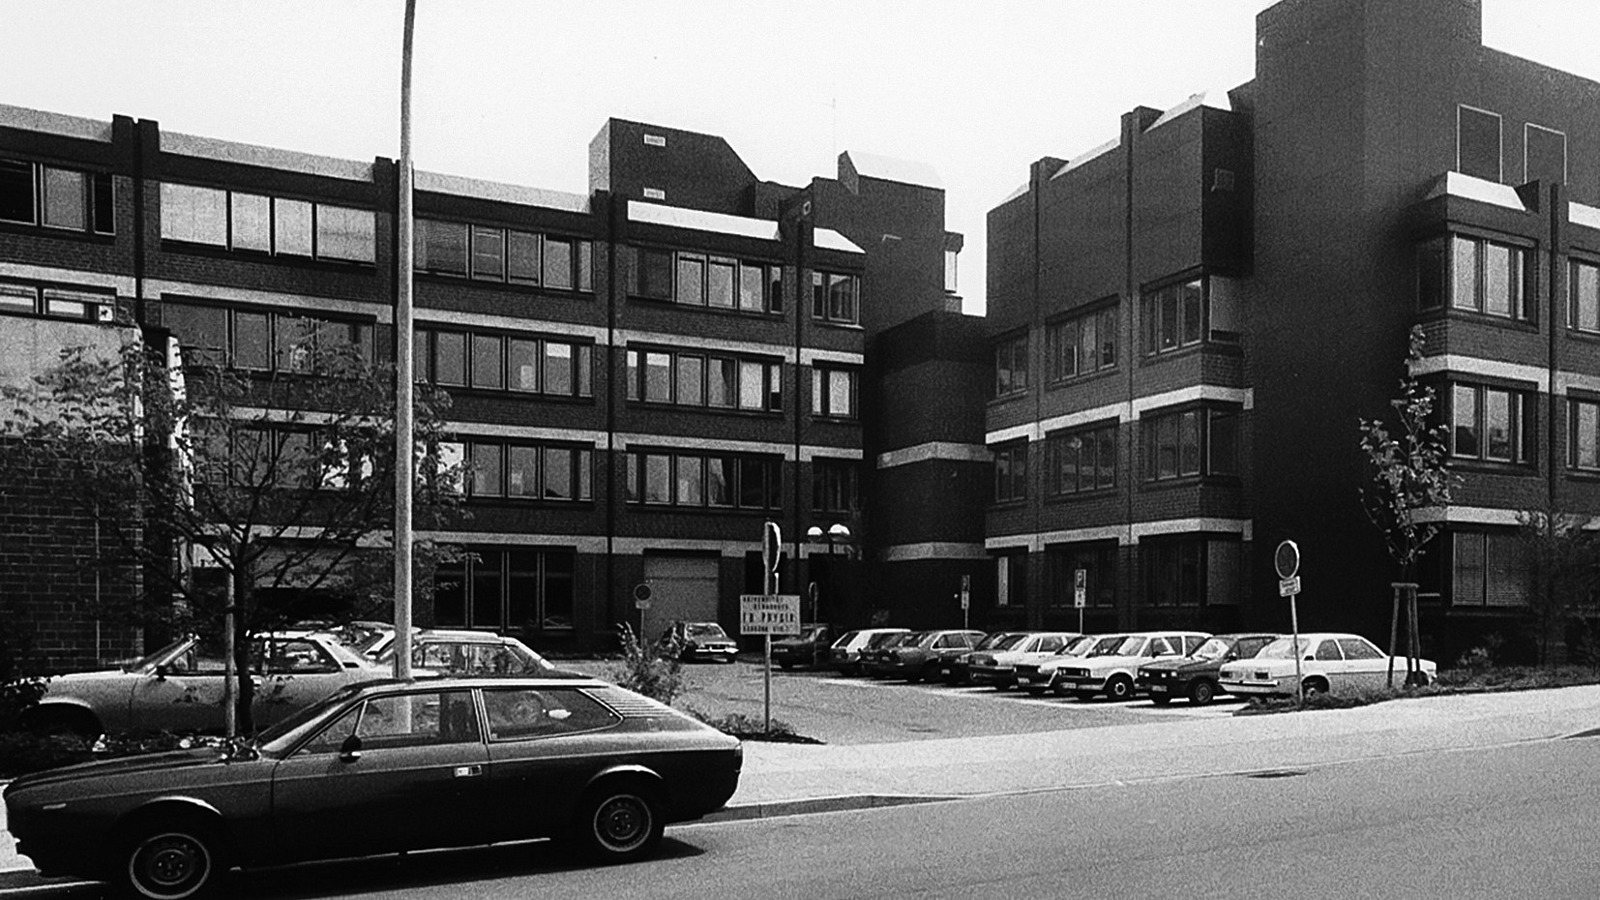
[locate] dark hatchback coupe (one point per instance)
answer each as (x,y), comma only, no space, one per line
(384,767)
(1195,676)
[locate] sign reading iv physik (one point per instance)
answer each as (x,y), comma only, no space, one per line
(769,613)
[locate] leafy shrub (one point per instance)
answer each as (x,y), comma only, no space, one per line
(22,752)
(644,670)
(749,728)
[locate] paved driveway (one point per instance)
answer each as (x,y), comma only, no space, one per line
(839,710)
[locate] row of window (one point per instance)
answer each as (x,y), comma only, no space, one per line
(519,470)
(696,379)
(1479,149)
(486,253)
(500,362)
(257,223)
(69,199)
(694,480)
(1190,571)
(1473,274)
(1081,345)
(698,279)
(529,590)
(46,300)
(1185,444)
(259,340)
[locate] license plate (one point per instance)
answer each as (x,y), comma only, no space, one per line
(1069,685)
(1158,689)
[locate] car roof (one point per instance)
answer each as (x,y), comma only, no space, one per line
(487,637)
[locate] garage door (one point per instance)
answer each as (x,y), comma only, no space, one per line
(682,587)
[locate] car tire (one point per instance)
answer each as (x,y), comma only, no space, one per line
(618,823)
(1202,692)
(1313,686)
(171,860)
(1417,678)
(62,720)
(1119,688)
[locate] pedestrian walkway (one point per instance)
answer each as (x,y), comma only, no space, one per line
(786,779)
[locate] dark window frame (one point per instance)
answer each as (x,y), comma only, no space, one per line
(1161,429)
(1060,446)
(1065,360)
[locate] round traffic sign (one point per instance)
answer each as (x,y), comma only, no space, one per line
(1287,559)
(642,593)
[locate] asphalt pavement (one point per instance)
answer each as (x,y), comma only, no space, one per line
(788,779)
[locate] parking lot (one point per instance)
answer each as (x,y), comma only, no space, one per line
(858,710)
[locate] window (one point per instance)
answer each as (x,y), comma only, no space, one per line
(1011,472)
(1081,345)
(529,471)
(1473,274)
(503,362)
(1174,316)
(259,457)
(1491,424)
(1544,154)
(698,279)
(1099,562)
(524,713)
(67,199)
(260,341)
(441,247)
(834,392)
(1193,442)
(692,379)
(1011,365)
(670,478)
(834,486)
(1174,571)
(1011,580)
(1489,569)
(834,297)
(1478,143)
(255,223)
(514,589)
(1080,461)
(48,300)
(1584,430)
(1584,311)
(487,253)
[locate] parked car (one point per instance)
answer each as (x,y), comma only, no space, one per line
(1195,676)
(384,767)
(1329,663)
(1038,677)
(997,665)
(180,687)
(1114,673)
(439,651)
(808,648)
(959,670)
(925,655)
(700,641)
(845,654)
(873,658)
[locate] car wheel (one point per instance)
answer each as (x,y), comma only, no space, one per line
(1313,686)
(62,720)
(172,861)
(1119,688)
(1160,699)
(1202,692)
(619,823)
(929,673)
(1417,678)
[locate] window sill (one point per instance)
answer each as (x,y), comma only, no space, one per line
(690,407)
(1080,380)
(1494,467)
(842,326)
(642,507)
(1002,505)
(771,315)
(502,286)
(74,234)
(461,390)
(1007,398)
(1449,313)
(1096,494)
(213,251)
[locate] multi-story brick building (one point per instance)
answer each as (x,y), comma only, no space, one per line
(1188,322)
(640,375)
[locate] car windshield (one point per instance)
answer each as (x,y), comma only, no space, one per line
(1215,648)
(366,644)
(1078,646)
(845,639)
(812,633)
(1003,642)
(1282,648)
(705,630)
(887,639)
(154,659)
(1105,646)
(277,739)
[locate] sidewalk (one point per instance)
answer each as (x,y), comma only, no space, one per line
(785,779)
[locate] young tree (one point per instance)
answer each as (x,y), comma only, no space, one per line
(1562,556)
(280,487)
(1408,474)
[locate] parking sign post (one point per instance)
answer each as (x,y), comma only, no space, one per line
(1287,561)
(1080,593)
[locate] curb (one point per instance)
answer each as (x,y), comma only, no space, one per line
(820,805)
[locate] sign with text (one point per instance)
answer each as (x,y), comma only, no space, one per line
(1080,587)
(769,613)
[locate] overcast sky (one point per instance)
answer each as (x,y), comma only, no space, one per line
(513,90)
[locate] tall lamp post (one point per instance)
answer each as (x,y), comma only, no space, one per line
(404,450)
(839,532)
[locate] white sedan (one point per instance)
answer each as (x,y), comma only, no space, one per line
(1329,663)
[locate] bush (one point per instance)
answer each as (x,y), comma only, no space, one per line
(22,752)
(749,728)
(644,670)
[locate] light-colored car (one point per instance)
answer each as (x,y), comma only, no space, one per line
(997,665)
(1116,673)
(1195,676)
(440,651)
(924,656)
(180,687)
(1039,676)
(845,654)
(1329,663)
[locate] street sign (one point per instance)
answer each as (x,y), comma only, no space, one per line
(769,614)
(641,596)
(1080,588)
(1286,559)
(771,546)
(966,592)
(1288,587)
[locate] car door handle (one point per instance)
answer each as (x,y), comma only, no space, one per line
(468,771)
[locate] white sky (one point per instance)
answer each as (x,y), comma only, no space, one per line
(513,90)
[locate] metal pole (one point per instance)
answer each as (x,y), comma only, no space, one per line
(404,440)
(230,713)
(769,586)
(1294,624)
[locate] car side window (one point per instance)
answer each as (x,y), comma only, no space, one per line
(1328,651)
(1050,644)
(518,713)
(1355,648)
(412,720)
(1161,647)
(330,739)
(299,657)
(1248,648)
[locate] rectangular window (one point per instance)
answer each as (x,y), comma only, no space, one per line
(202,331)
(834,392)
(1099,565)
(345,234)
(559,264)
(834,486)
(1584,311)
(558,368)
(1174,571)
(1080,461)
(691,481)
(523,357)
(752,385)
(691,287)
(19,298)
(252,341)
(688,479)
(658,378)
(486,473)
(1191,443)
(1174,316)
(65,200)
(1487,277)
(1478,143)
(450,358)
(835,297)
(653,274)
(441,247)
(1584,429)
(291,227)
(752,287)
(251,220)
(522,471)
(488,253)
(1544,155)
(691,380)
(559,473)
(17,197)
(1011,365)
(1490,424)
(721,382)
(516,590)
(1489,569)
(1081,345)
(1011,472)
(196,215)
(522,257)
(488,370)
(719,284)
